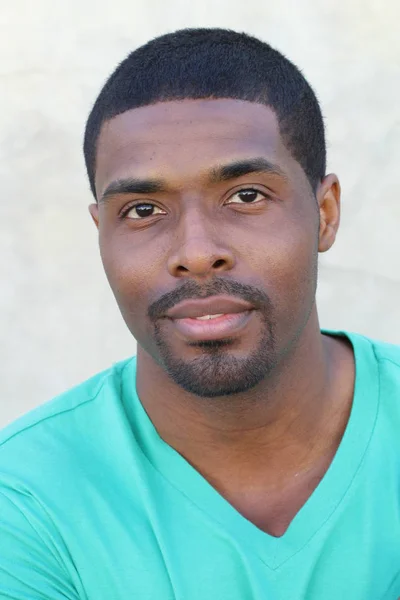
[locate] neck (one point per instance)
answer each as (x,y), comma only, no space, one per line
(282,427)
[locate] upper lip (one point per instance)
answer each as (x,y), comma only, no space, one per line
(214,305)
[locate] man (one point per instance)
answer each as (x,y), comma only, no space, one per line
(244,454)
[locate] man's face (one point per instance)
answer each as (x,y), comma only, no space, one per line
(202,211)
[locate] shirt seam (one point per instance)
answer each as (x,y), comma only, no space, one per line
(381,359)
(375,349)
(62,411)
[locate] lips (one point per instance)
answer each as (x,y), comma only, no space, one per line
(214,305)
(210,318)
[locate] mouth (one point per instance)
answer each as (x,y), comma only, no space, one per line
(212,327)
(210,318)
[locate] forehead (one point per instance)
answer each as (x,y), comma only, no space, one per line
(183,139)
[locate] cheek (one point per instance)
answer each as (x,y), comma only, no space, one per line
(130,272)
(287,263)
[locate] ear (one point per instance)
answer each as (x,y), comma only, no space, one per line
(328,197)
(94,213)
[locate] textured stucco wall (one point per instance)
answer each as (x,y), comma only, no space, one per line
(59,322)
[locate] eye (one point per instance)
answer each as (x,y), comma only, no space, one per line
(142,210)
(246,196)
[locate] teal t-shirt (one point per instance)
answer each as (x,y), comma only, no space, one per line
(95,505)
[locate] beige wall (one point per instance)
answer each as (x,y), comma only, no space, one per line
(59,322)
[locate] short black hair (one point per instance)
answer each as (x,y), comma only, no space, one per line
(215,63)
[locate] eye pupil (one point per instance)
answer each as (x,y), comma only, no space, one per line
(144,210)
(248,195)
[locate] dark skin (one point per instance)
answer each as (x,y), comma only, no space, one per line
(264,449)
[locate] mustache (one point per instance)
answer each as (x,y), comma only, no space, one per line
(191,290)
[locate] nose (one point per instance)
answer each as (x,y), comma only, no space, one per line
(199,250)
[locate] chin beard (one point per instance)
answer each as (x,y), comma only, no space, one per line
(217,372)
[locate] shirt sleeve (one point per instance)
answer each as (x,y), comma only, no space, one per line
(30,566)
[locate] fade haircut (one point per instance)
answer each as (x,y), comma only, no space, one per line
(215,63)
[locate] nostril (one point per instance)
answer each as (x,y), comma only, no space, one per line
(182,269)
(219,263)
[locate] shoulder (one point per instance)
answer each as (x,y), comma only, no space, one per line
(387,353)
(386,356)
(49,459)
(61,418)
(377,364)
(384,362)
(388,359)
(379,351)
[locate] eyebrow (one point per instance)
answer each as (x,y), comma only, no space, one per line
(133,186)
(218,174)
(245,167)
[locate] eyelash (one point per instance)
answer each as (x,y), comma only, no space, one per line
(128,208)
(123,214)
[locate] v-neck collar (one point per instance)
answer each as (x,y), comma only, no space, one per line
(324,500)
